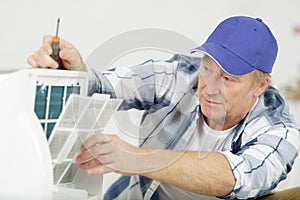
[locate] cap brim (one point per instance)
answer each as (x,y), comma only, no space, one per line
(229,62)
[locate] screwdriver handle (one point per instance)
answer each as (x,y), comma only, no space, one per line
(55,51)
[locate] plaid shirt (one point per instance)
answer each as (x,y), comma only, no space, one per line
(263,147)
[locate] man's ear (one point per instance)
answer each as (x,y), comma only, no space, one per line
(262,86)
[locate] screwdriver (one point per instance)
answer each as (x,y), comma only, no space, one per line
(55,47)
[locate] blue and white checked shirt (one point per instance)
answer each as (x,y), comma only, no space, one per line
(263,147)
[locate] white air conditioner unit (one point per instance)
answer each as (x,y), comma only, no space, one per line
(45,116)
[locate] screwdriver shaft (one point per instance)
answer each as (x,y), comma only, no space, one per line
(55,46)
(57,27)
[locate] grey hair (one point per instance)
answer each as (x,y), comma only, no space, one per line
(259,77)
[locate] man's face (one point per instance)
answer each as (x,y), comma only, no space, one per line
(224,99)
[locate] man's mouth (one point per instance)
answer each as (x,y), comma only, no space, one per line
(212,102)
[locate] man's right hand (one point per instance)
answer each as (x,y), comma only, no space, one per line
(70,57)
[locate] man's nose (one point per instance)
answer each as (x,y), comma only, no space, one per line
(214,84)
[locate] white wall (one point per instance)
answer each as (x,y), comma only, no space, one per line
(89,23)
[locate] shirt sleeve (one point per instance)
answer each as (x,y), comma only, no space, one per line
(263,162)
(150,83)
(140,86)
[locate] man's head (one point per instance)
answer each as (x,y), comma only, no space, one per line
(239,56)
(240,45)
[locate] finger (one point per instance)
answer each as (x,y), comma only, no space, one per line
(71,58)
(47,50)
(90,164)
(31,62)
(47,40)
(42,59)
(69,54)
(95,139)
(99,170)
(101,160)
(65,44)
(94,152)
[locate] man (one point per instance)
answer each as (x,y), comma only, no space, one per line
(212,127)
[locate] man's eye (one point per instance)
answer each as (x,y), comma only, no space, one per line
(228,79)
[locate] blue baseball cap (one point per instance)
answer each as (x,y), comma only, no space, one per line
(240,45)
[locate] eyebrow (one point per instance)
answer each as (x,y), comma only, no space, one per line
(205,57)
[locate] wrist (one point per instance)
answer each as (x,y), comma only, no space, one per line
(153,160)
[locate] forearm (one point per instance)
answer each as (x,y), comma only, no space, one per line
(199,172)
(203,173)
